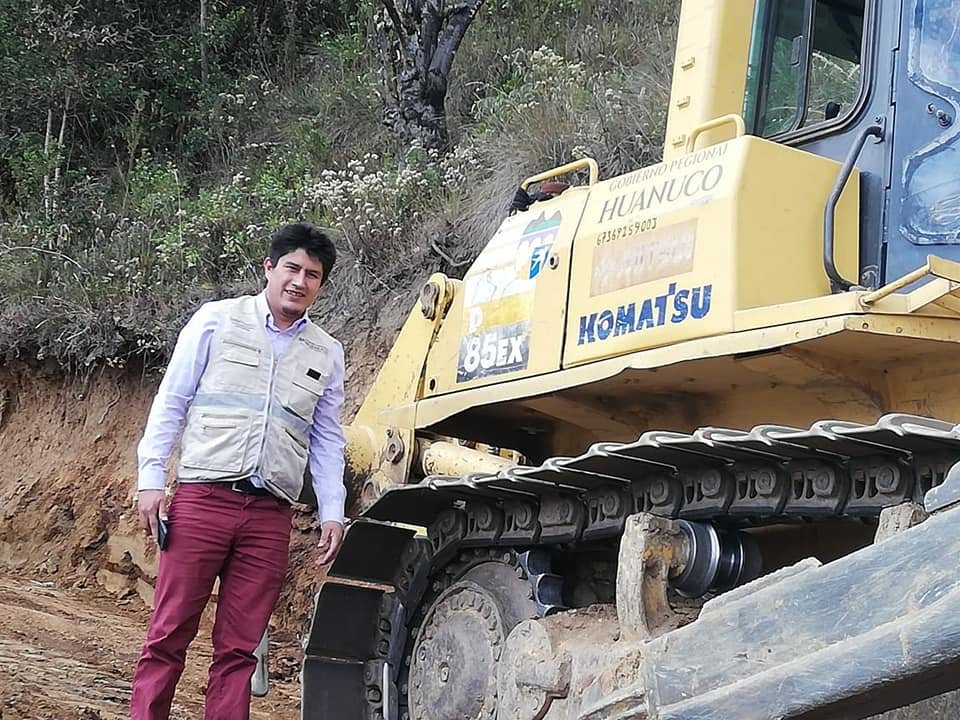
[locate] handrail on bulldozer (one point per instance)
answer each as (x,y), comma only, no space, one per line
(731,119)
(935,266)
(583,163)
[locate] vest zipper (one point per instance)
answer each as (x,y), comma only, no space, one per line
(266,414)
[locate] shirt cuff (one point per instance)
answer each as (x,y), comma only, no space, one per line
(152,479)
(329,514)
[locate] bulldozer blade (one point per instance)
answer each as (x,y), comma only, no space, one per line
(872,631)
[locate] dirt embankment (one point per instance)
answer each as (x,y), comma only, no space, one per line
(67,479)
(76,572)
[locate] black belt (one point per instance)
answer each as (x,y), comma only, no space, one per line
(248,488)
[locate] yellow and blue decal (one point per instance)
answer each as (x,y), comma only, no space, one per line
(498,300)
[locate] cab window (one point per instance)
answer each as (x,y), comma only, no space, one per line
(806,64)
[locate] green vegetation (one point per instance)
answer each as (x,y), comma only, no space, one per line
(146,154)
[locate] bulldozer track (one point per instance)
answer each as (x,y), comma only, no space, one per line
(834,468)
(770,474)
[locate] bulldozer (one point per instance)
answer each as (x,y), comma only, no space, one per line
(681,444)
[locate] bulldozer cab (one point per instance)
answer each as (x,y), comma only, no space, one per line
(821,71)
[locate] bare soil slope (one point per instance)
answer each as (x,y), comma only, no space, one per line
(76,572)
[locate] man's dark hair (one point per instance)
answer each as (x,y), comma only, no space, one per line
(307,237)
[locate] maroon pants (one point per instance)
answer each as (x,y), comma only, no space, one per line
(214,532)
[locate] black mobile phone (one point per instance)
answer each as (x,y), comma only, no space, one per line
(163,533)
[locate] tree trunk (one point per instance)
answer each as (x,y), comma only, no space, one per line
(204,63)
(419,116)
(47,138)
(61,139)
(290,40)
(427,36)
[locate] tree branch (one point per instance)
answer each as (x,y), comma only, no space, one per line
(449,260)
(46,156)
(6,249)
(454,9)
(458,22)
(395,19)
(60,141)
(430,23)
(204,64)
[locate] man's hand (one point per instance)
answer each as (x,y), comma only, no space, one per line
(151,504)
(331,538)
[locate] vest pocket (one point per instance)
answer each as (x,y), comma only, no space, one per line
(240,352)
(235,366)
(304,392)
(285,460)
(298,444)
(216,442)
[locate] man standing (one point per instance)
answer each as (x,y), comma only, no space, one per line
(256,388)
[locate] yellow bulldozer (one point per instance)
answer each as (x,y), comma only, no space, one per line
(681,444)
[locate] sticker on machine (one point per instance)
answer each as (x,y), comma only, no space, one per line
(498,295)
(632,258)
(501,350)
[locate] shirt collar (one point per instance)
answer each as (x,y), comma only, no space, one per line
(263,308)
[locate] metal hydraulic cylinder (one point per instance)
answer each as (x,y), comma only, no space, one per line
(874,630)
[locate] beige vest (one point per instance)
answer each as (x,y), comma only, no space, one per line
(252,412)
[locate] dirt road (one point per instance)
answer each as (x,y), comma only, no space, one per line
(67,654)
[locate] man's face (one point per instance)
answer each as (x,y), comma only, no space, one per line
(293,284)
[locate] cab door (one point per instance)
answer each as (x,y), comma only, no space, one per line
(924,203)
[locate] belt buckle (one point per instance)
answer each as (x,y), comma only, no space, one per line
(235,486)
